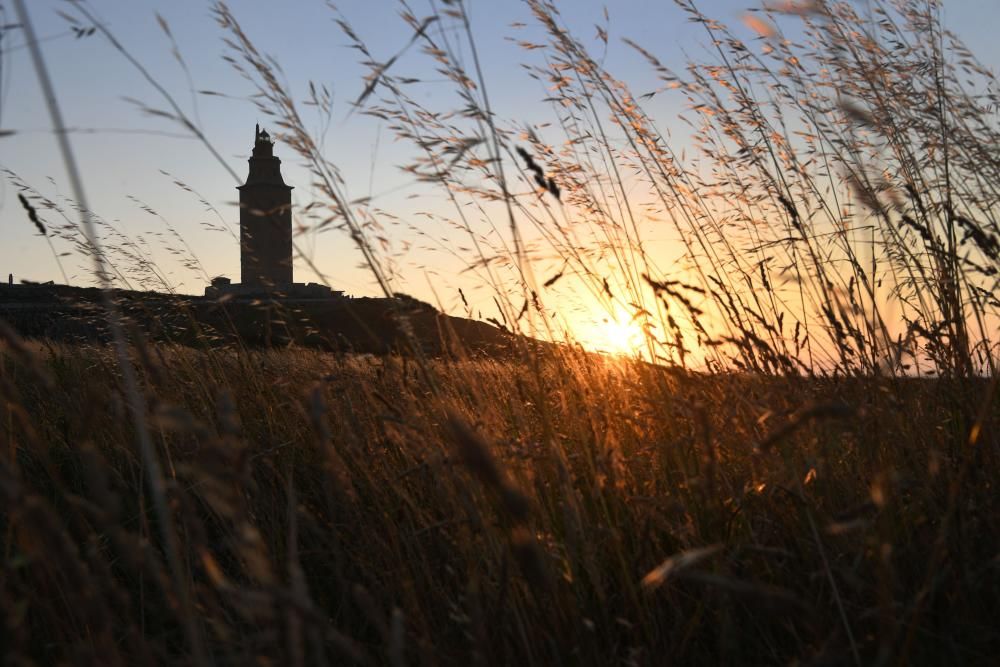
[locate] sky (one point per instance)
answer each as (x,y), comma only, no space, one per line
(124,152)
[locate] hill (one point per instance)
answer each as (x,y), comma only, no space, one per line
(344,324)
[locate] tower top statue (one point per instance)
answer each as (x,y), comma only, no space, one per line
(261,136)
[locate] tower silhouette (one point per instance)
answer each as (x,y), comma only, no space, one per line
(265,219)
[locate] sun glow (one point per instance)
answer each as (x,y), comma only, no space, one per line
(620,337)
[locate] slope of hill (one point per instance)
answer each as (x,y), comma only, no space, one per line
(372,325)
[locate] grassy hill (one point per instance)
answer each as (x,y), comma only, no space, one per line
(363,325)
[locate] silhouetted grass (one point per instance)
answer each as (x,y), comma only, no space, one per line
(584,510)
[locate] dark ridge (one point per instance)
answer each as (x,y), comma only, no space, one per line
(343,324)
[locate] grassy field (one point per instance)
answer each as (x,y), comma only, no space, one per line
(566,509)
(798,464)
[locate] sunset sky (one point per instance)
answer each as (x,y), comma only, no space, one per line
(123,151)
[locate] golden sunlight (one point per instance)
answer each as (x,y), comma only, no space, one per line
(619,337)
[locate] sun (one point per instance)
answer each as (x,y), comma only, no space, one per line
(618,337)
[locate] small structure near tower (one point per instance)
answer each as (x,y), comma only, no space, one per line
(266,235)
(265,220)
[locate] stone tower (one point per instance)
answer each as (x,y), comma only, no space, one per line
(265,220)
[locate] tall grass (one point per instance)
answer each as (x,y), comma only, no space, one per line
(336,509)
(808,499)
(838,213)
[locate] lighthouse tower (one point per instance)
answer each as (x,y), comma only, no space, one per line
(265,220)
